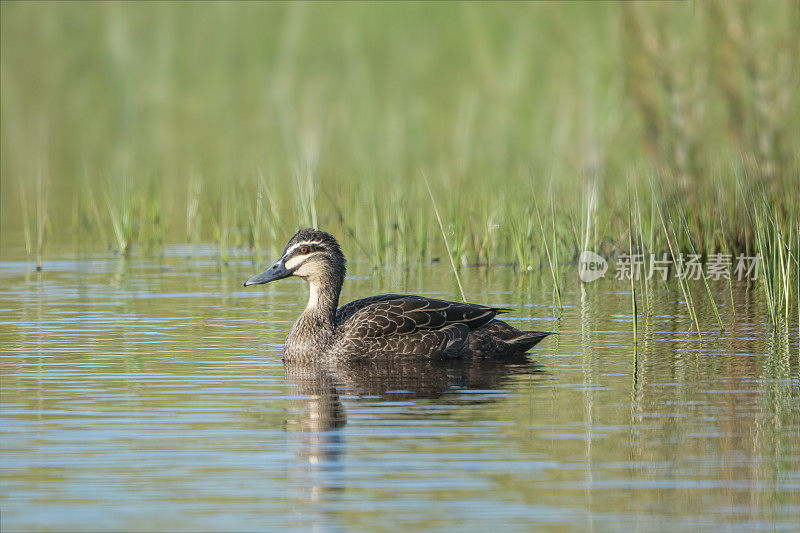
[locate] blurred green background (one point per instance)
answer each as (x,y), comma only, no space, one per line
(576,125)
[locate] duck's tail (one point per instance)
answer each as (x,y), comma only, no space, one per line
(498,339)
(528,339)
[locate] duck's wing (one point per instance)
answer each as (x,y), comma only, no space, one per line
(449,341)
(391,314)
(347,310)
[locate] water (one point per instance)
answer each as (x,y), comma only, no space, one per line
(145,395)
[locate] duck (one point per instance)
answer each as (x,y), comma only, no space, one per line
(387,326)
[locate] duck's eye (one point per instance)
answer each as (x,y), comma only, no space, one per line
(304,250)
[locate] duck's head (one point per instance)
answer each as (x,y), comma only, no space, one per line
(312,255)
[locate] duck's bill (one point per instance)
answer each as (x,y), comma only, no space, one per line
(276,271)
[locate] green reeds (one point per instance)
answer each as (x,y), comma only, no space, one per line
(194,191)
(35,249)
(646,277)
(552,260)
(705,279)
(633,274)
(444,236)
(329,133)
(120,214)
(774,244)
(687,296)
(520,227)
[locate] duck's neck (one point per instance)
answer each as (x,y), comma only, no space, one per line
(323,299)
(314,330)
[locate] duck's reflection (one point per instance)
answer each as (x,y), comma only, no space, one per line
(412,379)
(313,434)
(316,434)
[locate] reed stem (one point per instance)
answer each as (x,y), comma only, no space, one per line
(444,236)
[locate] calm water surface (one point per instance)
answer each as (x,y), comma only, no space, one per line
(150,395)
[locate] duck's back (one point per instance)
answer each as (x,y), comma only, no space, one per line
(399,313)
(404,325)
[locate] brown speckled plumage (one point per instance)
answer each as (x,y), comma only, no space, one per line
(387,326)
